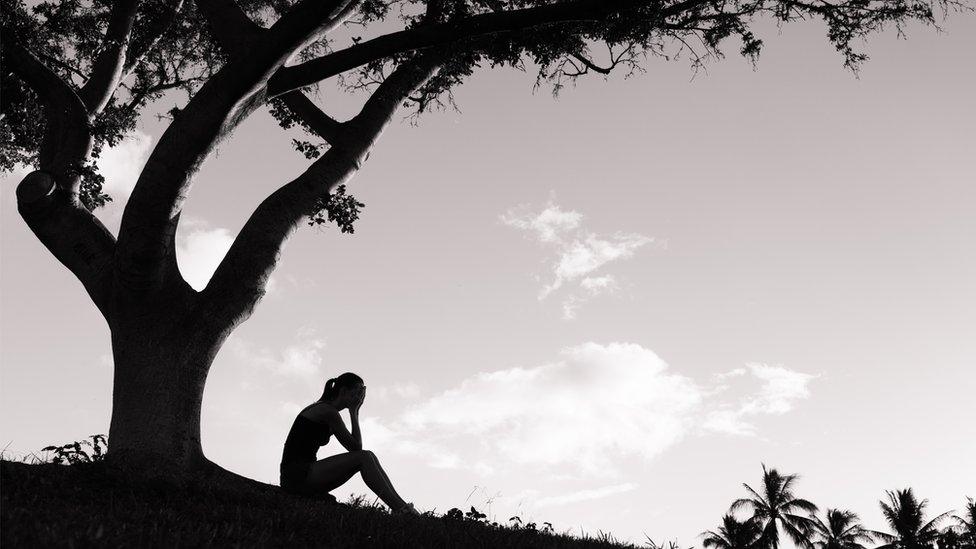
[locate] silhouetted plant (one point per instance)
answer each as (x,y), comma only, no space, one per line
(905,515)
(777,507)
(966,524)
(517,524)
(842,530)
(673,544)
(454,514)
(475,515)
(732,534)
(949,539)
(75,452)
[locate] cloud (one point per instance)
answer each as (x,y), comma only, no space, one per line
(547,224)
(578,252)
(252,396)
(121,165)
(780,389)
(559,413)
(731,373)
(584,412)
(200,250)
(599,284)
(586,495)
(301,360)
(584,256)
(382,439)
(398,390)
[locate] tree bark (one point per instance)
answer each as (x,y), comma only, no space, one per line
(163,348)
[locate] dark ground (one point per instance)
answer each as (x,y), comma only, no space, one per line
(48,505)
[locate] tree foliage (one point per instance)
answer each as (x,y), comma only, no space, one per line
(733,534)
(842,530)
(905,515)
(172,47)
(775,506)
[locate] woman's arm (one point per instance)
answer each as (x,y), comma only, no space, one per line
(354,419)
(350,441)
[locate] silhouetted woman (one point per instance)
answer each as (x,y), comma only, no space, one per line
(301,473)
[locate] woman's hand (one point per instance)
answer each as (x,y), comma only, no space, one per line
(359,402)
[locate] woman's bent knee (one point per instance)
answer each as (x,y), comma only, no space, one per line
(365,456)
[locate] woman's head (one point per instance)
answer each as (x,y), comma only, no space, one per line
(341,390)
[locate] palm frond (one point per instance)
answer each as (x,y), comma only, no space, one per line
(757,497)
(802,504)
(884,536)
(931,525)
(741,502)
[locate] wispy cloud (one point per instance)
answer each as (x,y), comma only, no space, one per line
(586,495)
(585,411)
(780,390)
(396,390)
(301,360)
(549,225)
(252,396)
(579,252)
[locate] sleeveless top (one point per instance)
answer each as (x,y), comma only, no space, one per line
(304,439)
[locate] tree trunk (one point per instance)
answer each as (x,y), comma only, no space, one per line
(163,349)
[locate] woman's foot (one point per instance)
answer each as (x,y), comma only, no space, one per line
(407,509)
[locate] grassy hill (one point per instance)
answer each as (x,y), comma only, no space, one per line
(48,505)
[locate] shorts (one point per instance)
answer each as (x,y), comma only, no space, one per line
(293,476)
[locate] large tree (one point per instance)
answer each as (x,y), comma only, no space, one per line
(77,75)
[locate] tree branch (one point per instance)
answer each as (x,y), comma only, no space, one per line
(67,135)
(425,36)
(48,199)
(240,280)
(70,232)
(314,118)
(145,249)
(107,70)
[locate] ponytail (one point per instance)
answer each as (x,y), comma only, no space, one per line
(333,385)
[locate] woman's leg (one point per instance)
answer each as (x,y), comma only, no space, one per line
(330,473)
(386,480)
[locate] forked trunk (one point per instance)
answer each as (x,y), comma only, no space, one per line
(161,365)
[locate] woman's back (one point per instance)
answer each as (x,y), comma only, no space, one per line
(304,439)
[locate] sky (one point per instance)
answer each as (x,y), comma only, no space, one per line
(605,310)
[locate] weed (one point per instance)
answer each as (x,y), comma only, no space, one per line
(75,452)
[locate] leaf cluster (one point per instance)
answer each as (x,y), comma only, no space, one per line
(77,452)
(68,36)
(182,54)
(339,208)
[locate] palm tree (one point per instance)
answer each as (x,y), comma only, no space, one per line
(967,524)
(777,507)
(732,534)
(841,531)
(906,518)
